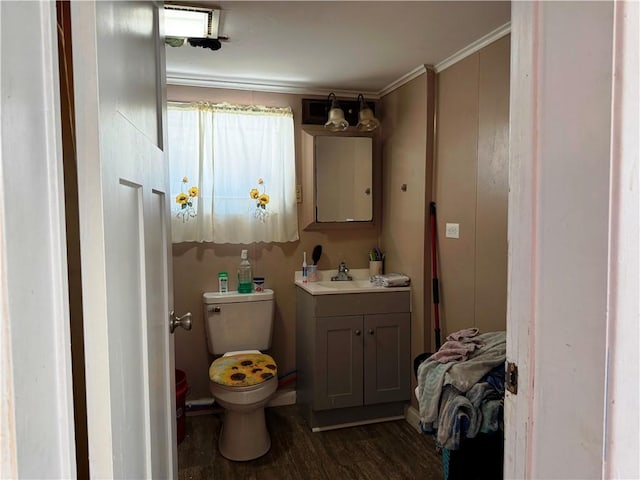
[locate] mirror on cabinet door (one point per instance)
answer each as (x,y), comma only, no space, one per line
(343,179)
(340,173)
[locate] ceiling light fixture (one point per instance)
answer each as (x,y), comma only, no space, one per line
(198,26)
(367,121)
(336,121)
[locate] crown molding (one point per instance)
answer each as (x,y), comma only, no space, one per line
(456,57)
(186,79)
(474,47)
(407,77)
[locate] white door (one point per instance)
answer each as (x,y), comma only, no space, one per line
(573,304)
(118,66)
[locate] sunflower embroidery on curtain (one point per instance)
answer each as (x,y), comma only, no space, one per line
(262,201)
(186,200)
(230,153)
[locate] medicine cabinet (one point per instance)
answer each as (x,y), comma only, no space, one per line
(340,179)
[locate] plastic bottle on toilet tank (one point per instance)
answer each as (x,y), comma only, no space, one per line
(245,275)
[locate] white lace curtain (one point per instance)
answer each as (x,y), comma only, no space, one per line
(232,173)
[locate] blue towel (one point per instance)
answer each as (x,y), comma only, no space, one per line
(492,416)
(459,419)
(464,416)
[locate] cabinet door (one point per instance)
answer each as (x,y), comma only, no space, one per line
(387,357)
(338,362)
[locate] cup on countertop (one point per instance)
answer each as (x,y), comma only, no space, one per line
(375,268)
(312,273)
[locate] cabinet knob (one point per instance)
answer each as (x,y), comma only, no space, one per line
(358,332)
(371,331)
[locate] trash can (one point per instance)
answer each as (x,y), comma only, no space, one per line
(181,392)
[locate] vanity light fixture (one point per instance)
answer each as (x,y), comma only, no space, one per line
(336,121)
(367,121)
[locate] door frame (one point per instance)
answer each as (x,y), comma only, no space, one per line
(544,54)
(622,404)
(36,411)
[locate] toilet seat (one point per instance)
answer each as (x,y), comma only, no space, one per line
(226,392)
(242,397)
(241,370)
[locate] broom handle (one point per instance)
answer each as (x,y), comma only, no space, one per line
(435,282)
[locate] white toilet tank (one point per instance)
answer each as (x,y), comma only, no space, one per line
(238,321)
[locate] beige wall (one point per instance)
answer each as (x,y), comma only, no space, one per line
(407,159)
(471,189)
(196,265)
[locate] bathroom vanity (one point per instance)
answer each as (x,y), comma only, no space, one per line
(353,352)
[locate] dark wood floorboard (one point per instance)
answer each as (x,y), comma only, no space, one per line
(380,451)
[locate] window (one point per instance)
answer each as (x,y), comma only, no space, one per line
(232,173)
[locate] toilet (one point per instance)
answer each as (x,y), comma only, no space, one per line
(243,379)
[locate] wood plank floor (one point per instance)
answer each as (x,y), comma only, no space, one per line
(382,451)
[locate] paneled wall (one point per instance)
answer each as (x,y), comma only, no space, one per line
(407,158)
(196,265)
(471,189)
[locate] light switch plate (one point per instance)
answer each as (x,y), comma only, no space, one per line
(452,230)
(298,193)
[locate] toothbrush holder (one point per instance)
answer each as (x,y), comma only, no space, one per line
(312,273)
(375,268)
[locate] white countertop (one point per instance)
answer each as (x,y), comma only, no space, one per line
(359,284)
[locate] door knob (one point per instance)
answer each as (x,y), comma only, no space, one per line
(184,321)
(371,331)
(357,332)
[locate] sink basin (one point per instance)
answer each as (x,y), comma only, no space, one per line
(347,284)
(359,284)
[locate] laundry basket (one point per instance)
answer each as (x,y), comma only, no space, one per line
(478,458)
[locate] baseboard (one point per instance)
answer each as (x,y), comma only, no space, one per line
(200,402)
(203,406)
(285,396)
(355,424)
(412,416)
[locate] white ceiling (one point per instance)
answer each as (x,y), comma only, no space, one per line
(317,47)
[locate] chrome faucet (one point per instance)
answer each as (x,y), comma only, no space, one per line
(343,273)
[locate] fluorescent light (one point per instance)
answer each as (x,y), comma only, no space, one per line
(190,22)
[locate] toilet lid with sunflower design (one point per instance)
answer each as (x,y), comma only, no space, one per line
(243,370)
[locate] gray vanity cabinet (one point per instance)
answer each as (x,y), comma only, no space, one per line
(339,377)
(387,353)
(353,357)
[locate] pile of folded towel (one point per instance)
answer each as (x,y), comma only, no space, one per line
(461,387)
(391,280)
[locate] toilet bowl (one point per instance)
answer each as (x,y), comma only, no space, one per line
(241,381)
